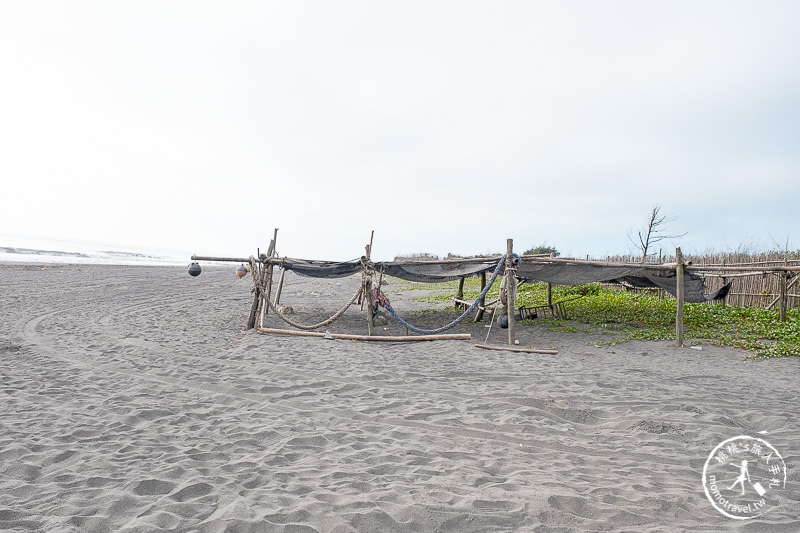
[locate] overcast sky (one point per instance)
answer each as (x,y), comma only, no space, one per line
(445,126)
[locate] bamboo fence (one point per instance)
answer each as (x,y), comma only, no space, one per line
(748,289)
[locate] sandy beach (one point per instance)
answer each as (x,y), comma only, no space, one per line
(132,400)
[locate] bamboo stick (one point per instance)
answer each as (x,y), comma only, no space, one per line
(563,260)
(757,269)
(220,259)
(788,287)
(343,336)
(734,276)
(751,263)
(458,302)
(520,350)
(534,259)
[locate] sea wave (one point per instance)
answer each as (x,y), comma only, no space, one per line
(16,249)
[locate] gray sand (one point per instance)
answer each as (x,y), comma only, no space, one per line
(131,400)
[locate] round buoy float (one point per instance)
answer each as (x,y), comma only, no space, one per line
(241,271)
(194,270)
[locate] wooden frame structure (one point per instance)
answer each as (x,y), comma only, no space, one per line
(262,271)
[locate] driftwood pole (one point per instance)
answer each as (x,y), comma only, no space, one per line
(266,285)
(255,275)
(550,288)
(482,303)
(518,350)
(379,338)
(460,292)
(280,288)
(266,292)
(368,286)
(511,288)
(679,266)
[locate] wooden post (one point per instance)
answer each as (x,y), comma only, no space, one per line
(680,297)
(482,303)
(271,253)
(460,292)
(550,289)
(370,318)
(266,286)
(255,275)
(280,288)
(783,298)
(368,289)
(511,288)
(267,290)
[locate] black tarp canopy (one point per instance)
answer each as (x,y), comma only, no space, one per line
(642,276)
(561,272)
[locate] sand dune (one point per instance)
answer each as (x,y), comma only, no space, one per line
(133,401)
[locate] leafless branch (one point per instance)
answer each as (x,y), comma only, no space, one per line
(654,232)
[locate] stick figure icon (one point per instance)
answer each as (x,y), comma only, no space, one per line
(743,475)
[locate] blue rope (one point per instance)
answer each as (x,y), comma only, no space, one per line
(496,273)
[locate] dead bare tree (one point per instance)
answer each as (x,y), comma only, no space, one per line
(654,232)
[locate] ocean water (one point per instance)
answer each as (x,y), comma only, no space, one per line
(19,248)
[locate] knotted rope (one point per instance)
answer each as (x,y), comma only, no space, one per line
(368,269)
(415,329)
(325,322)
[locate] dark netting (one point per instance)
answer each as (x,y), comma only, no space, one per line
(693,285)
(637,276)
(720,293)
(423,271)
(434,272)
(560,273)
(570,274)
(323,269)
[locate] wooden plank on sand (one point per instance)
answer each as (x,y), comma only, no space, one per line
(520,350)
(343,336)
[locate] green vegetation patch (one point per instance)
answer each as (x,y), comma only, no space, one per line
(626,315)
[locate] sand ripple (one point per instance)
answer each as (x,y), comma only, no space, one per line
(132,401)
